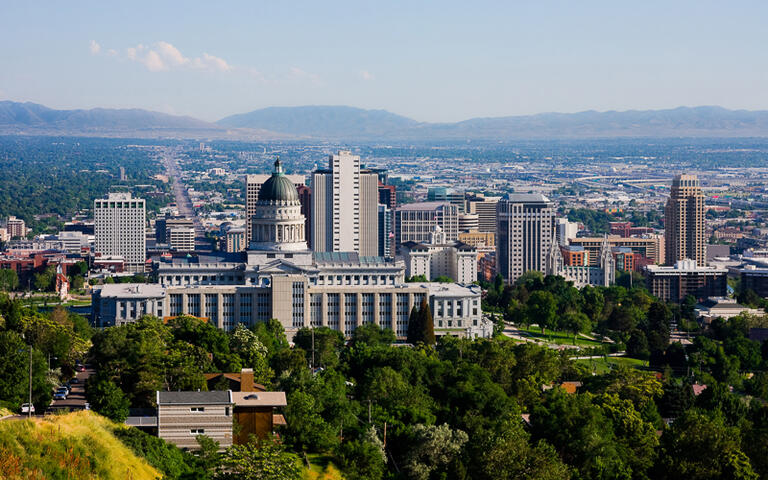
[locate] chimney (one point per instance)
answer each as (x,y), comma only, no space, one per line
(246,380)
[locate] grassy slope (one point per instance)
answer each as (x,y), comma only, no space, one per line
(604,365)
(77,445)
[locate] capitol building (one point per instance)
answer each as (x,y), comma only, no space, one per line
(279,277)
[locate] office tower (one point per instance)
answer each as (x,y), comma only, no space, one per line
(163,226)
(16,227)
(469,222)
(414,222)
(181,239)
(253,184)
(305,197)
(122,174)
(388,196)
(485,209)
(386,235)
(525,233)
(120,223)
(437,194)
(233,240)
(565,230)
(684,222)
(344,207)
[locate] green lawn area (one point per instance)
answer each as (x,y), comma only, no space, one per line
(604,365)
(558,337)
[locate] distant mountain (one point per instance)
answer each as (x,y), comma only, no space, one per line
(322,121)
(356,124)
(32,118)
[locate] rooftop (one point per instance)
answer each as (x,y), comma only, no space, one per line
(422,206)
(527,198)
(132,290)
(222,397)
(259,399)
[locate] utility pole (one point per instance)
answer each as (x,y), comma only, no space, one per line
(313,349)
(369,411)
(29,407)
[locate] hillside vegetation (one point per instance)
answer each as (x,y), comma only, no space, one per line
(74,446)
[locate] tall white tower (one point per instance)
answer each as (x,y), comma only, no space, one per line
(120,229)
(344,207)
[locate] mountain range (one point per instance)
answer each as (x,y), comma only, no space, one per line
(344,123)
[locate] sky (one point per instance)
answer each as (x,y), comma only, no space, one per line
(437,61)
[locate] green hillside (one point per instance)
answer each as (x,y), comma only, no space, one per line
(74,446)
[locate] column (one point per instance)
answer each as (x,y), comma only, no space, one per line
(376,319)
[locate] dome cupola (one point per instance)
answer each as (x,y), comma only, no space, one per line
(278,188)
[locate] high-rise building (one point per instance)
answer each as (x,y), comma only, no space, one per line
(485,209)
(525,233)
(181,239)
(469,222)
(234,240)
(650,247)
(565,230)
(305,197)
(120,224)
(163,226)
(684,222)
(388,196)
(253,184)
(414,222)
(386,235)
(345,207)
(16,227)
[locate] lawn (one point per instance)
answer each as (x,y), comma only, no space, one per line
(604,365)
(558,337)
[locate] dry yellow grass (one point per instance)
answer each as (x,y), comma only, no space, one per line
(72,446)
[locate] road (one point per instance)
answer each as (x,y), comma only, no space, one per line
(183,202)
(76,398)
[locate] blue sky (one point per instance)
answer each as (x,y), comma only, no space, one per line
(431,61)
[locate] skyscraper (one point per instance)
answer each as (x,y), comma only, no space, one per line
(524,234)
(415,222)
(684,222)
(344,207)
(120,223)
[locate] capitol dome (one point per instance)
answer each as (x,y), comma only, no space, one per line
(278,188)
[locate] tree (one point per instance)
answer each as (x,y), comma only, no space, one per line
(576,322)
(43,281)
(542,309)
(9,280)
(415,329)
(107,399)
(14,372)
(327,344)
(443,279)
(361,460)
(426,322)
(505,453)
(254,354)
(262,460)
(701,446)
(306,428)
(372,335)
(434,448)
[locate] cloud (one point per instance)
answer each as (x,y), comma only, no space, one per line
(164,56)
(296,73)
(366,75)
(95,47)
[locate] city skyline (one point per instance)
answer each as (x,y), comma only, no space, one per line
(491,59)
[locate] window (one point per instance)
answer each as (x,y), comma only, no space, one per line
(197,431)
(197,409)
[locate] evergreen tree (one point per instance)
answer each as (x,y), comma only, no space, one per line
(414,326)
(427,325)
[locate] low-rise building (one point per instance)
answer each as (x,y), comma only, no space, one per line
(182,416)
(439,257)
(674,283)
(722,307)
(181,239)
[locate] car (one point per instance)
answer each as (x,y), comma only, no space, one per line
(63,388)
(80,368)
(27,408)
(74,381)
(59,396)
